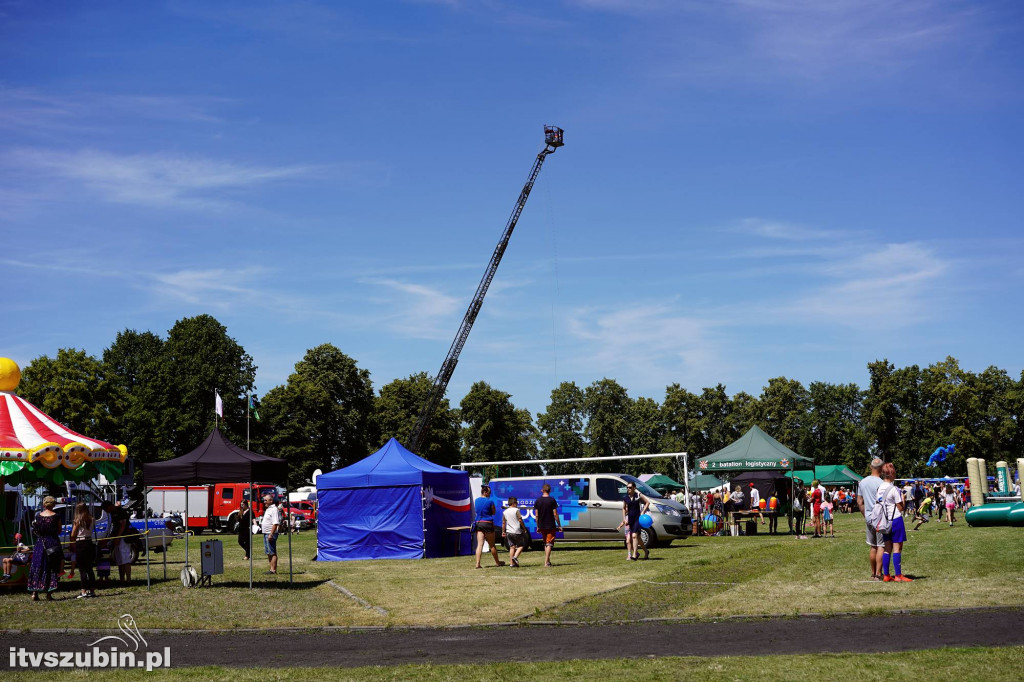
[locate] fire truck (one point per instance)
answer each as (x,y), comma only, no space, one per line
(213,507)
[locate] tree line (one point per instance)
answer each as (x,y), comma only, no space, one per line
(155,395)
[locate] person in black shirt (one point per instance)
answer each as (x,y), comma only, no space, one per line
(245,528)
(548,523)
(633,505)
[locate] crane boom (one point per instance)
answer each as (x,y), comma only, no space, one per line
(552,141)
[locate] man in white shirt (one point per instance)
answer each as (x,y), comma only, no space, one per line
(867,491)
(755,501)
(271,524)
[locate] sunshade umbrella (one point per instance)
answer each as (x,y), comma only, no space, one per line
(36,447)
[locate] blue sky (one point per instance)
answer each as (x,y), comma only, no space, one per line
(749,188)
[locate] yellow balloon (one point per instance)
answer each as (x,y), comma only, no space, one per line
(10,374)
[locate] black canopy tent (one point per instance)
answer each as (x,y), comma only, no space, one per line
(218,460)
(766,482)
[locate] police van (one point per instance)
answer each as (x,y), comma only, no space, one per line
(590,507)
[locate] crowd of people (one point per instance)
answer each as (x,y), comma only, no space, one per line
(47,561)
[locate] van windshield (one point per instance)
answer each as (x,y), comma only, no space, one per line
(641,486)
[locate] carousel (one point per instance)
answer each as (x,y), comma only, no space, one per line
(35,449)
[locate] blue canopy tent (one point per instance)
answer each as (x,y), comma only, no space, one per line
(392,505)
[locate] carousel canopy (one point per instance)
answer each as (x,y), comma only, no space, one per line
(34,446)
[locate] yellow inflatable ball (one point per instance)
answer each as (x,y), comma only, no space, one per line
(10,374)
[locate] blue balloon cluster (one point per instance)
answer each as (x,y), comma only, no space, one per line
(940,454)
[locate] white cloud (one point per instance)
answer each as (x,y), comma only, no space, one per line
(645,346)
(774,229)
(151,179)
(414,310)
(806,39)
(30,109)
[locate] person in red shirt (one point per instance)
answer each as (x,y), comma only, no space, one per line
(816,498)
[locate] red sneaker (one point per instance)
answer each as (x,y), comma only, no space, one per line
(887,578)
(903,579)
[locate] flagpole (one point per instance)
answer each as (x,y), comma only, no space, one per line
(248,403)
(216,423)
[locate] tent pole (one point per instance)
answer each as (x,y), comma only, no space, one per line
(291,577)
(145,535)
(792,495)
(423,518)
(186,526)
(252,515)
(686,479)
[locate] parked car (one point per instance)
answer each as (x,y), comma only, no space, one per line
(306,508)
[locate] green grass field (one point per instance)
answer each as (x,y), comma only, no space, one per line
(698,577)
(997,664)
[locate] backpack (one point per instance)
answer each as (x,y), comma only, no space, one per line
(878,519)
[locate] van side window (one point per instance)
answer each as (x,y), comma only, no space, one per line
(229,493)
(610,489)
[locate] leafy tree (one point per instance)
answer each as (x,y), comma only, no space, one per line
(561,427)
(132,366)
(199,357)
(680,414)
(397,408)
(493,429)
(321,417)
(834,433)
(72,389)
(608,431)
(742,416)
(781,411)
(647,431)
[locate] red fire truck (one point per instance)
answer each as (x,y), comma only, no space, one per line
(213,507)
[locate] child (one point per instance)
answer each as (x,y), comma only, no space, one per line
(21,557)
(513,529)
(826,517)
(923,511)
(950,499)
(620,527)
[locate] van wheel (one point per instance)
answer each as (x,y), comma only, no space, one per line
(649,537)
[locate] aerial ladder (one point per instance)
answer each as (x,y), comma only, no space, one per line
(552,141)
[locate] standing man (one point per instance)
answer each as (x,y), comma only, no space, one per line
(271,525)
(548,523)
(867,493)
(755,501)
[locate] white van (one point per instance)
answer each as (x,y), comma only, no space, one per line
(590,506)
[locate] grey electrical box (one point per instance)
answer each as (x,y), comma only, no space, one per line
(213,557)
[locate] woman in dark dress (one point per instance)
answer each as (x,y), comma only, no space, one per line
(244,527)
(43,571)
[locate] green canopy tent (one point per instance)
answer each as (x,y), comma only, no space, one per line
(661,483)
(755,451)
(704,482)
(829,474)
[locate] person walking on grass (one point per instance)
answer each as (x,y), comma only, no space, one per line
(949,497)
(633,506)
(867,492)
(271,526)
(545,509)
(513,529)
(244,528)
(485,511)
(924,510)
(827,527)
(799,496)
(816,498)
(891,497)
(85,549)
